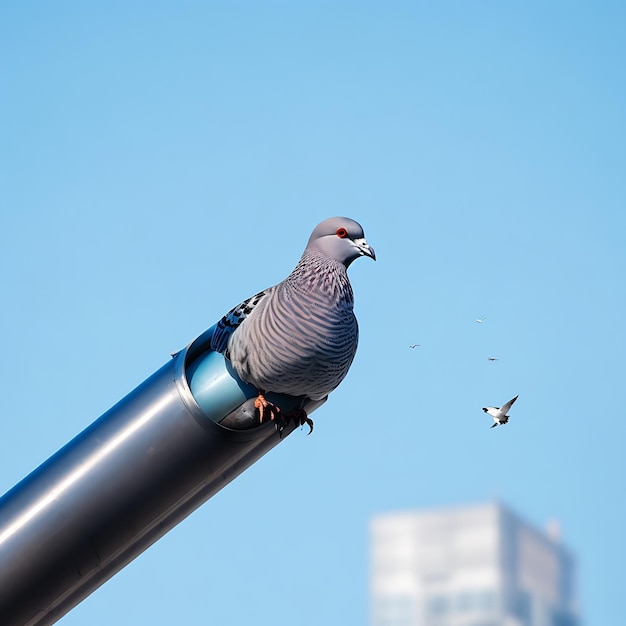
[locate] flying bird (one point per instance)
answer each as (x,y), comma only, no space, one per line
(480,320)
(499,414)
(300,336)
(492,358)
(415,345)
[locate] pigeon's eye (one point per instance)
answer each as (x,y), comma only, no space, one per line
(342,233)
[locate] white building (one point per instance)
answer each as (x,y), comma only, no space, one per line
(469,566)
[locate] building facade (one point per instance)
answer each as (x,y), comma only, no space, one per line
(469,566)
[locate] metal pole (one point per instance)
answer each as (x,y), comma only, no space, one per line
(126,480)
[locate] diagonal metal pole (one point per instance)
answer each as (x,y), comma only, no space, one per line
(126,480)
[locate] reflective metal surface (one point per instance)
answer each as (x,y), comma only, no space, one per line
(119,486)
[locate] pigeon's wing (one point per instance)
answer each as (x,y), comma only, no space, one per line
(505,407)
(232,320)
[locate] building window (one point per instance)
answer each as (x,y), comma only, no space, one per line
(437,605)
(487,601)
(521,606)
(562,619)
(479,601)
(465,602)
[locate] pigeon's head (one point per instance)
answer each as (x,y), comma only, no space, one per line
(341,239)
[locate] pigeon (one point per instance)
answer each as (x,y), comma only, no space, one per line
(499,413)
(300,336)
(480,320)
(415,345)
(492,358)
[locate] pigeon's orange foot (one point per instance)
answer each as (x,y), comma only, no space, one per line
(279,418)
(263,405)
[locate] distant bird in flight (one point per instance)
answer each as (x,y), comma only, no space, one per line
(480,320)
(492,358)
(499,413)
(415,345)
(299,337)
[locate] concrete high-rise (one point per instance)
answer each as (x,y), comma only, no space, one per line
(478,565)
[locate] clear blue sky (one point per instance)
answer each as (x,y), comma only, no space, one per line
(161,161)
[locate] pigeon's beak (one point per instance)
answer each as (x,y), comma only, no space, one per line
(365,249)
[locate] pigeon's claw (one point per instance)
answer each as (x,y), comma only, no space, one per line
(261,404)
(300,417)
